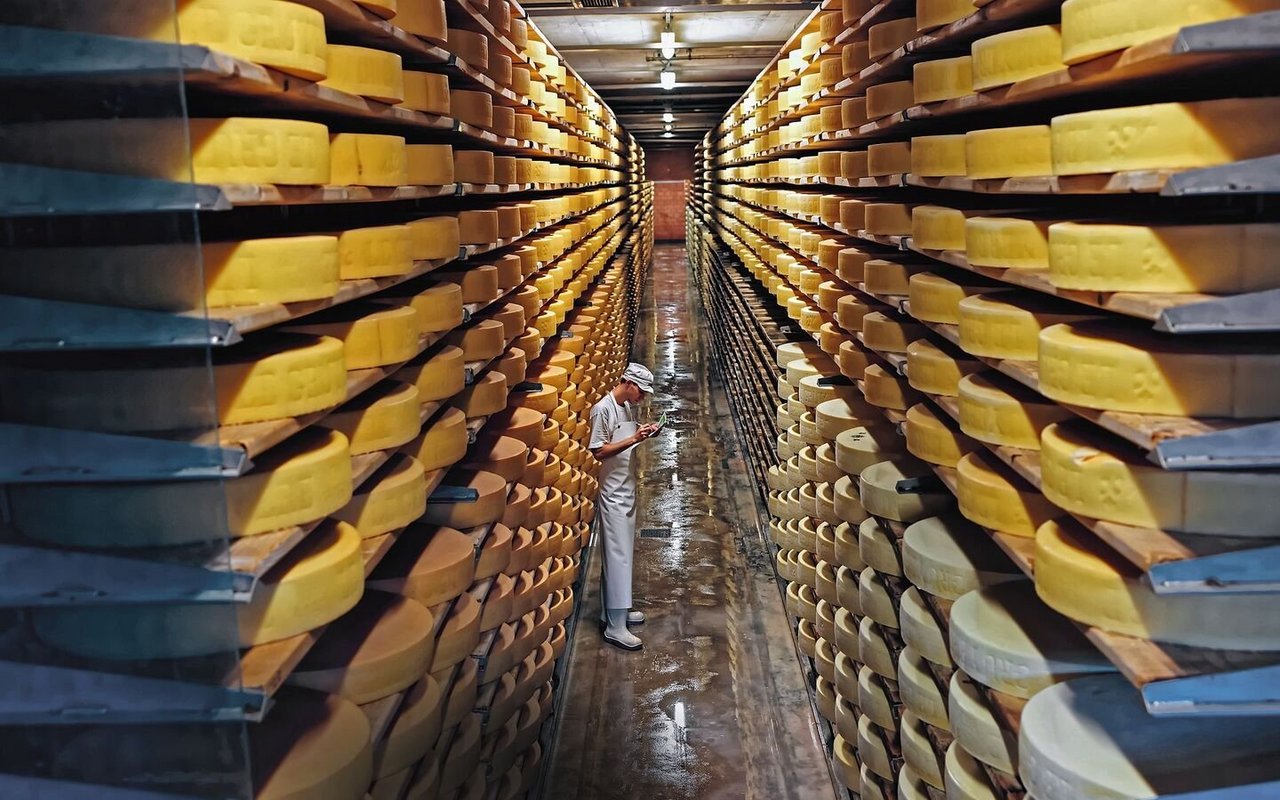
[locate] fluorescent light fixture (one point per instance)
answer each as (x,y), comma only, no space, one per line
(667,116)
(667,78)
(667,126)
(668,44)
(668,135)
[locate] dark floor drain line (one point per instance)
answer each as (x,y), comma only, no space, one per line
(655,533)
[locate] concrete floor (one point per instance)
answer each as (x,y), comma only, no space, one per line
(715,705)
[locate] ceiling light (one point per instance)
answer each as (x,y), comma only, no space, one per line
(667,126)
(667,79)
(667,116)
(668,135)
(668,44)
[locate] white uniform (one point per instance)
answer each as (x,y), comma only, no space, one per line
(616,508)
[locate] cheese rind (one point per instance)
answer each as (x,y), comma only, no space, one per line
(372,335)
(285,36)
(1017,152)
(383,418)
(1005,638)
(1016,55)
(1007,325)
(965,777)
(920,629)
(1164,136)
(919,690)
(935,371)
(948,556)
(392,498)
(365,71)
(376,252)
(976,728)
(1083,579)
(1007,242)
(936,13)
(998,500)
(1002,412)
(1091,28)
(918,755)
(938,156)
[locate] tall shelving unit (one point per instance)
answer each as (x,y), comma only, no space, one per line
(860,217)
(299,350)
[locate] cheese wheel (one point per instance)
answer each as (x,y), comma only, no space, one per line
(888,158)
(935,439)
(859,447)
(434,238)
(965,777)
(921,693)
(890,335)
(885,99)
(428,564)
(383,8)
(876,748)
(883,39)
(1087,581)
(380,647)
(366,159)
(976,728)
(382,418)
(942,79)
(364,71)
(874,700)
(878,548)
(438,375)
(1002,412)
(935,371)
(429,164)
(1117,368)
(881,495)
(313,747)
(1007,242)
(473,166)
(876,601)
(234,150)
(1017,152)
(948,556)
(936,13)
(1005,638)
(484,340)
(318,581)
(853,164)
(1098,476)
(1008,324)
(373,335)
(1093,737)
(390,499)
(488,507)
(848,506)
(814,390)
(847,552)
(918,753)
(486,395)
(1095,27)
(845,762)
(888,219)
(937,156)
(296,482)
(471,47)
(426,91)
(472,107)
(459,635)
(283,36)
(874,649)
(442,442)
(1170,136)
(413,731)
(478,226)
(920,629)
(166,277)
(1016,55)
(990,495)
(275,377)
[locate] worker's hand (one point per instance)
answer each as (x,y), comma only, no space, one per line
(646,431)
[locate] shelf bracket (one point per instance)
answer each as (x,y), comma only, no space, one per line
(30,453)
(1247,447)
(1251,571)
(1246,692)
(83,326)
(31,191)
(1253,312)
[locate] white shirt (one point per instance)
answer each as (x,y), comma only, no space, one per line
(606,417)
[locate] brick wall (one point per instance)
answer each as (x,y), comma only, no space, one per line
(670,169)
(669,164)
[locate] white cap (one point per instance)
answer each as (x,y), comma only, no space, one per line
(640,375)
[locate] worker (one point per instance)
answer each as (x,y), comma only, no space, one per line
(614,432)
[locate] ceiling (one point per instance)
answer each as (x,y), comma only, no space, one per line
(721,49)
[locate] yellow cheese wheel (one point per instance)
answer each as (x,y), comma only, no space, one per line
(372,335)
(1002,412)
(936,371)
(1100,477)
(426,91)
(472,107)
(376,252)
(271,378)
(413,731)
(491,496)
(888,158)
(1009,152)
(296,482)
(459,635)
(885,37)
(1163,136)
(1092,28)
(316,582)
(1112,366)
(442,442)
(885,99)
(364,71)
(942,79)
(888,219)
(437,375)
(935,438)
(937,156)
(991,496)
(1007,242)
(428,564)
(429,164)
(1083,579)
(434,238)
(393,497)
(380,647)
(473,166)
(285,269)
(380,419)
(887,391)
(1167,258)
(1016,55)
(285,36)
(232,150)
(1008,324)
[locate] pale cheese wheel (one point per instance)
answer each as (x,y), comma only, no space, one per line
(918,753)
(1093,737)
(876,600)
(847,553)
(845,760)
(936,156)
(270,378)
(921,630)
(1087,581)
(992,496)
(882,497)
(965,777)
(834,417)
(390,499)
(439,307)
(921,692)
(1016,55)
(936,371)
(874,648)
(879,548)
(380,647)
(814,390)
(296,482)
(948,556)
(318,581)
(876,748)
(1007,325)
(1005,638)
(1092,28)
(883,389)
(1149,374)
(976,728)
(874,700)
(364,71)
(1014,152)
(848,505)
(935,439)
(859,447)
(942,79)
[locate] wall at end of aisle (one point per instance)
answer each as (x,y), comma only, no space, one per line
(669,164)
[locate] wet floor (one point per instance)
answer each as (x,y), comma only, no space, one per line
(715,705)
